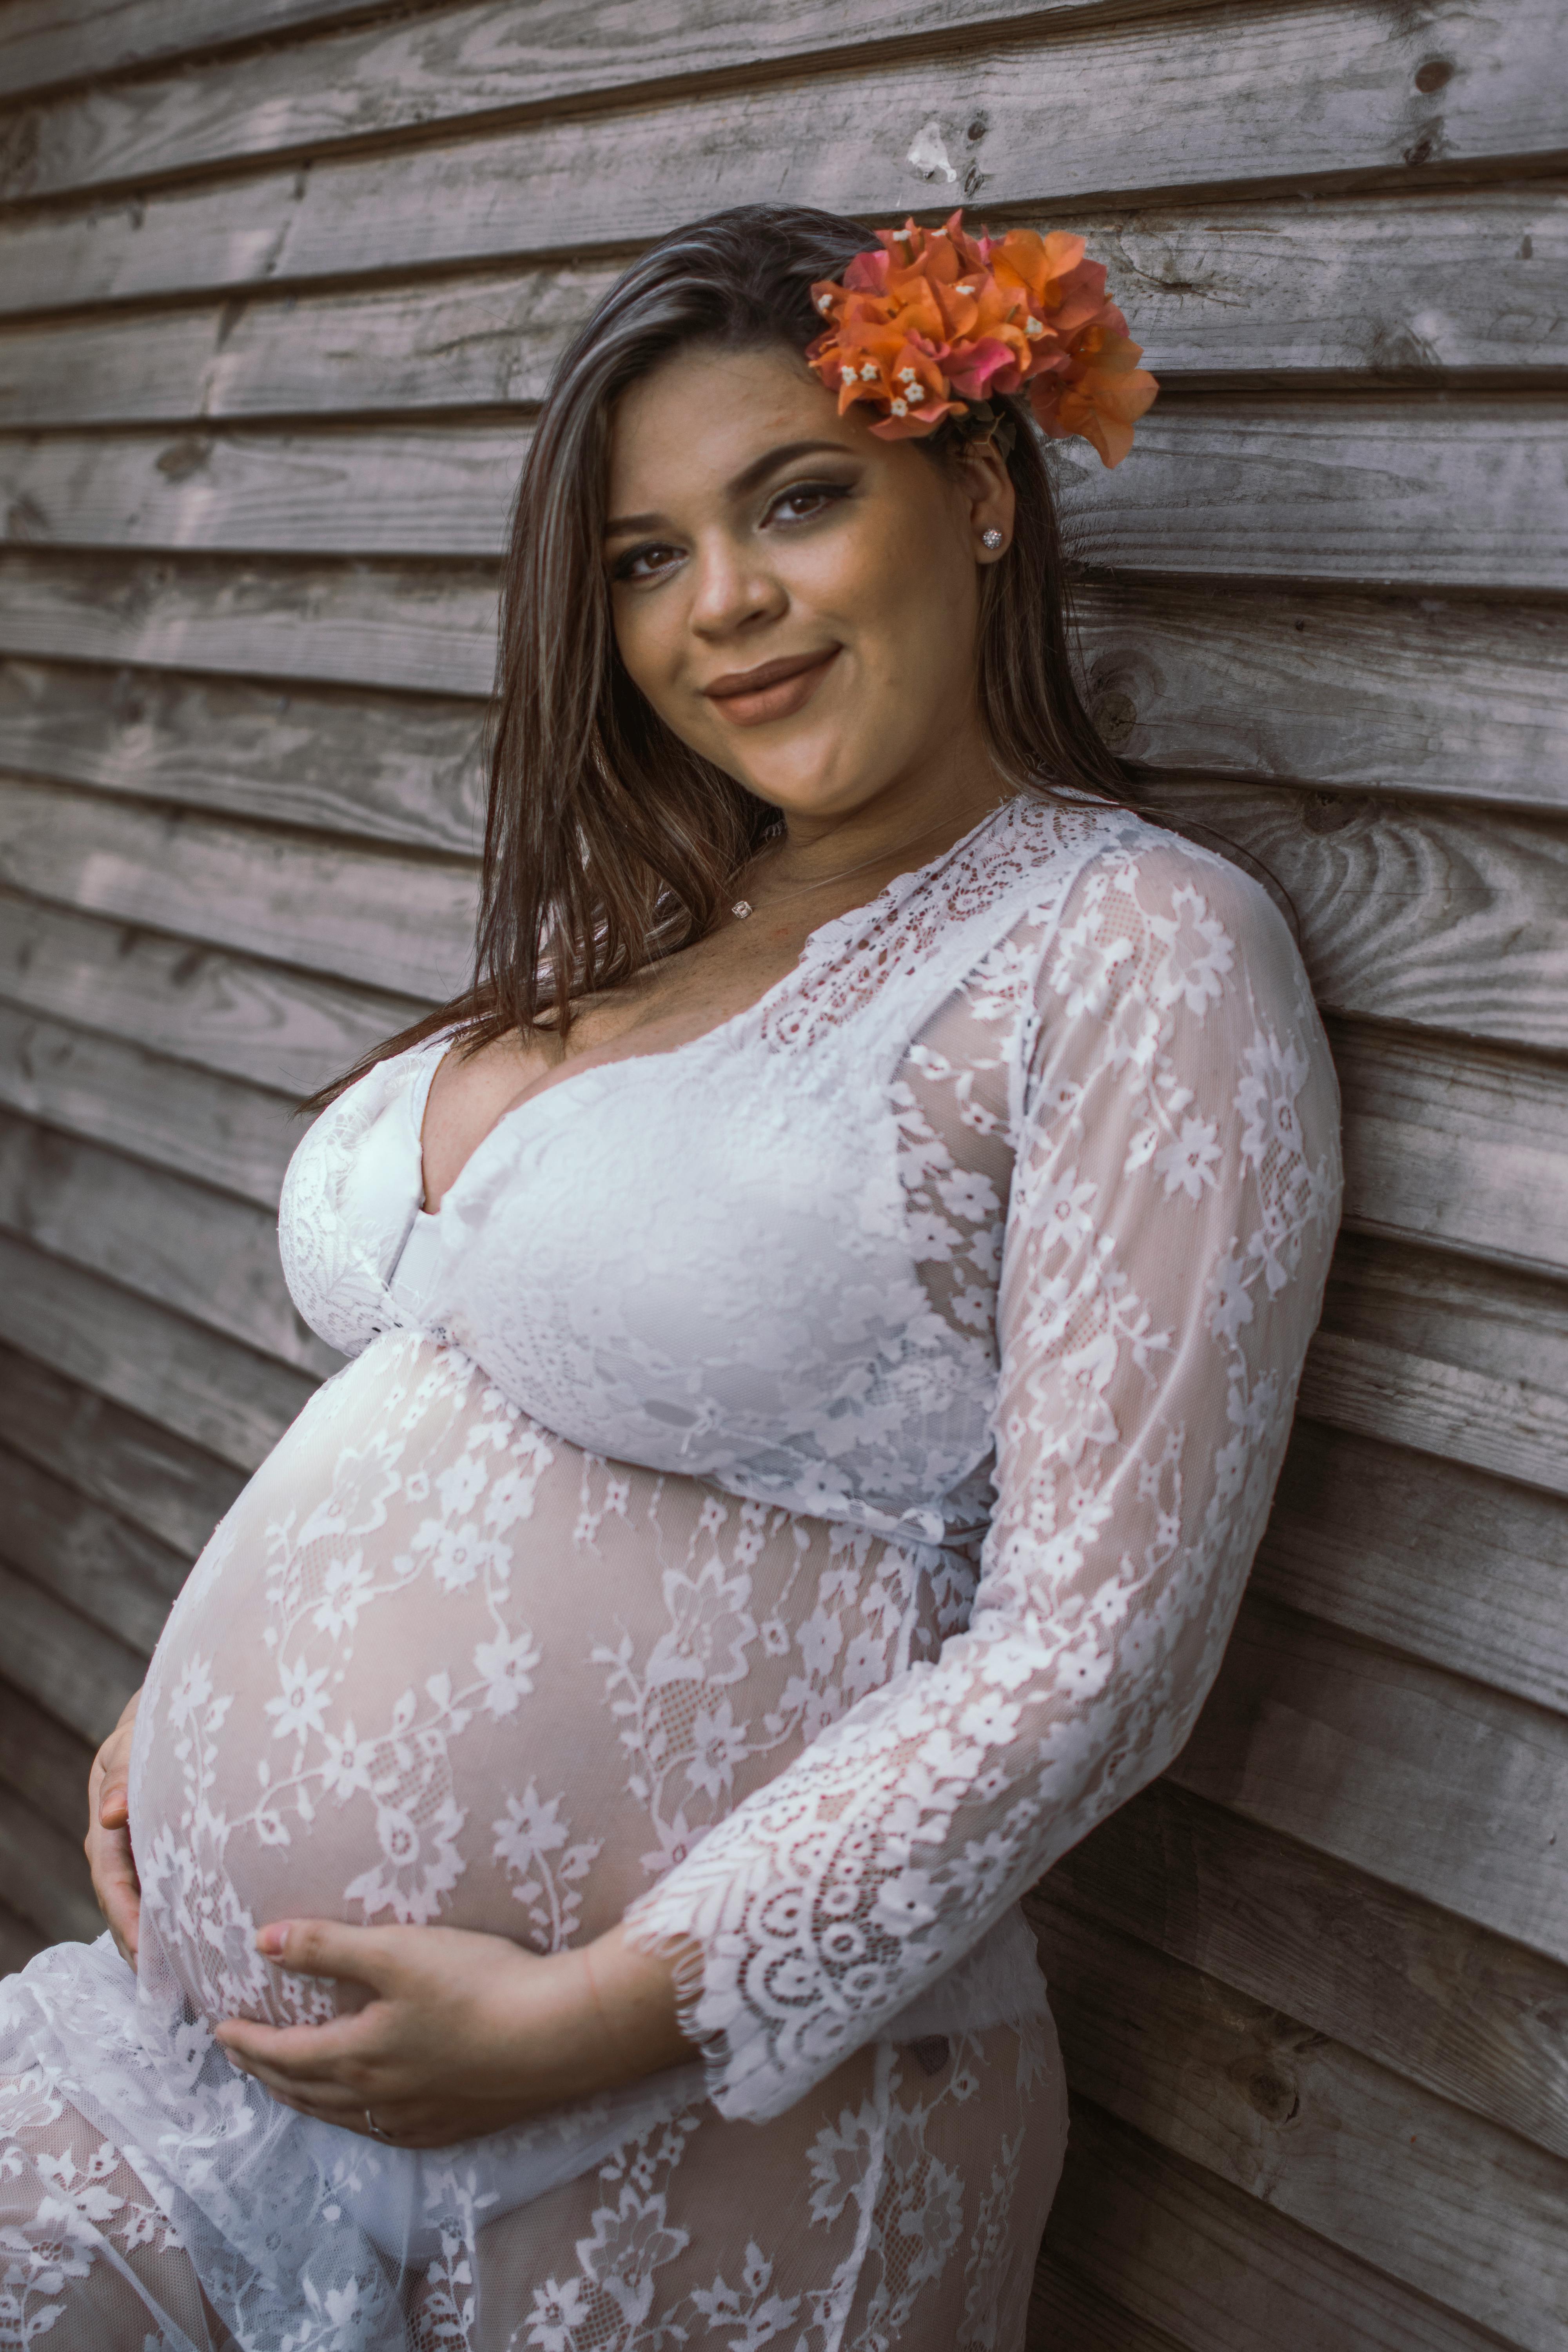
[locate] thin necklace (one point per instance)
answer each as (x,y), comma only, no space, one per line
(742,907)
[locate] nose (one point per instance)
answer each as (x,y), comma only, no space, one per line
(732,591)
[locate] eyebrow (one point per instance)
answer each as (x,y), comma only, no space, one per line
(623,526)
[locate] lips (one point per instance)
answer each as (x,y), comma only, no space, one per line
(774,689)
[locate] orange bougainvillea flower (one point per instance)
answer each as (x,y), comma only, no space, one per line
(929,323)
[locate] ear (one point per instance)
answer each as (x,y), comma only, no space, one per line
(991,499)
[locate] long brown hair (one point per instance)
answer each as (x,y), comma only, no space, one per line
(608,841)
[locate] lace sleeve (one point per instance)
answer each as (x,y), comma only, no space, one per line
(1174,1196)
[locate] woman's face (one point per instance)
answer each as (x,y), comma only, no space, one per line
(797,599)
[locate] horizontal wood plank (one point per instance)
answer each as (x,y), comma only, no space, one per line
(1223,2271)
(377,915)
(403,770)
(20,1941)
(45,1876)
(456,68)
(1469,2016)
(47,41)
(1343,288)
(202,1254)
(1369,2161)
(43,1761)
(1397,492)
(116,1576)
(230,1135)
(1428,1555)
(1429,1782)
(147,1476)
(73,1669)
(1457,1145)
(1313,92)
(228,1398)
(1069,2313)
(1430,696)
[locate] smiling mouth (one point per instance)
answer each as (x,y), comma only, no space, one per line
(774,689)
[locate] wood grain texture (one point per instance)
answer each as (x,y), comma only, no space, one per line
(45,1876)
(1338,2143)
(377,915)
(1429,1556)
(74,1670)
(43,1761)
(116,1576)
(456,69)
(202,1254)
(1067,2313)
(145,1475)
(1426,1780)
(406,771)
(286,1031)
(223,1397)
(1450,920)
(1223,2271)
(1398,491)
(1458,1144)
(1468,2015)
(20,1941)
(47,41)
(1432,695)
(1342,289)
(1322,89)
(232,1136)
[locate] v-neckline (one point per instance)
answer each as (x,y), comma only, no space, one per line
(839,930)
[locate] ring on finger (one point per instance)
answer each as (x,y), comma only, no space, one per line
(375,2130)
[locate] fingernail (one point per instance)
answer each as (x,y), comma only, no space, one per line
(273,1942)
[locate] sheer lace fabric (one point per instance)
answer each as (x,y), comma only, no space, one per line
(794,1489)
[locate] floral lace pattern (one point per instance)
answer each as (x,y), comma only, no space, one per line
(808,1482)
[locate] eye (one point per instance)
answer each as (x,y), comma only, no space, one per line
(650,562)
(803,500)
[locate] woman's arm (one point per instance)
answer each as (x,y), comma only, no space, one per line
(108,1840)
(1174,1203)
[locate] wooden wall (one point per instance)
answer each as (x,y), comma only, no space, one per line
(279,280)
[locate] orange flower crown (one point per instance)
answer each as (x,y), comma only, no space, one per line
(930,326)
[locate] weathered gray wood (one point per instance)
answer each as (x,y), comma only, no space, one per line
(1398,491)
(45,1763)
(1067,2313)
(1427,696)
(402,771)
(116,1576)
(1431,1782)
(20,1941)
(1310,92)
(205,1255)
(1427,1556)
(1454,921)
(456,68)
(1375,2163)
(1223,2271)
(1425,1153)
(1473,2017)
(1341,288)
(73,1669)
(47,41)
(369,914)
(234,1136)
(203,1386)
(284,1030)
(144,1475)
(45,1876)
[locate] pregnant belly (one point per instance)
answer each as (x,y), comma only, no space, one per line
(438,1667)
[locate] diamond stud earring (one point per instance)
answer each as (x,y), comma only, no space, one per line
(992,538)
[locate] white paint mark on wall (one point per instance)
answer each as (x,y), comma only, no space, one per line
(929,153)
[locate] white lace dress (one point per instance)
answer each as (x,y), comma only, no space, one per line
(793,1489)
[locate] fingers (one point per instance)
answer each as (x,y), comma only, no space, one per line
(298,2054)
(322,1947)
(115,1886)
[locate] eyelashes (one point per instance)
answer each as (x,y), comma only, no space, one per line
(655,556)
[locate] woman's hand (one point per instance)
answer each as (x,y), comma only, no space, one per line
(463,2034)
(108,1839)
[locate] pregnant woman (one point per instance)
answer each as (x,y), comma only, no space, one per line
(825,1312)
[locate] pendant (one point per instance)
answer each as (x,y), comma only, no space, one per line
(742,909)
